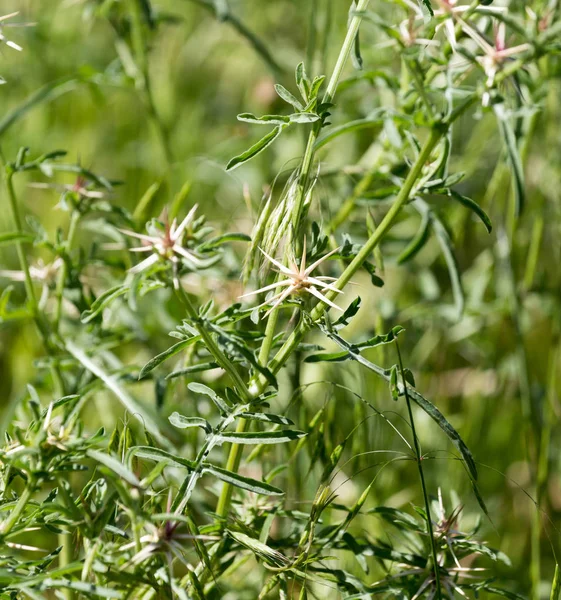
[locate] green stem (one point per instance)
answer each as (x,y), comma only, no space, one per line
(40,322)
(419,460)
(29,289)
(143,81)
(211,345)
(328,97)
(11,521)
(63,274)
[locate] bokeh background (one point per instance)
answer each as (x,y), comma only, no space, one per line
(205,71)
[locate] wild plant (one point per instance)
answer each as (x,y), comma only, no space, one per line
(203,492)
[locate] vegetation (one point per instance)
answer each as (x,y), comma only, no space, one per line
(308,352)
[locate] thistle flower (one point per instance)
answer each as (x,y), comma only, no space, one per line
(79,187)
(44,273)
(299,280)
(165,244)
(497,54)
(3,38)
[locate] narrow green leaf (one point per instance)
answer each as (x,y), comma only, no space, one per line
(182,422)
(263,120)
(268,418)
(116,466)
(160,358)
(258,147)
(261,437)
(45,94)
(304,117)
(83,587)
(200,388)
(376,120)
(288,97)
(511,145)
(12,237)
(556,588)
(219,240)
(473,206)
(417,242)
(207,366)
(245,483)
(157,454)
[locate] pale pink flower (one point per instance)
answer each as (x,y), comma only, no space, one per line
(299,279)
(166,245)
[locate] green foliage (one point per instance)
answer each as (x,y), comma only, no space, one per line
(279,446)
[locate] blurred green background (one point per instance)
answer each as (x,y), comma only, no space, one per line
(204,72)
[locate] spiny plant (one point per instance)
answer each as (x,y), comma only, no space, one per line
(153,508)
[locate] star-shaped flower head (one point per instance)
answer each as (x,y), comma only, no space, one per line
(3,37)
(82,187)
(166,244)
(299,279)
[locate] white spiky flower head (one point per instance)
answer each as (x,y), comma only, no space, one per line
(3,24)
(299,280)
(166,245)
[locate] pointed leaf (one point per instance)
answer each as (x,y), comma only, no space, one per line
(258,147)
(245,483)
(260,437)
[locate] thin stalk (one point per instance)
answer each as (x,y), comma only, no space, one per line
(328,97)
(211,345)
(257,44)
(24,265)
(419,460)
(66,557)
(143,81)
(9,523)
(63,274)
(40,322)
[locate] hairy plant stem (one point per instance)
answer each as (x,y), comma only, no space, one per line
(24,265)
(419,461)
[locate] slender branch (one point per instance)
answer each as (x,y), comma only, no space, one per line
(419,460)
(63,274)
(212,346)
(29,289)
(11,521)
